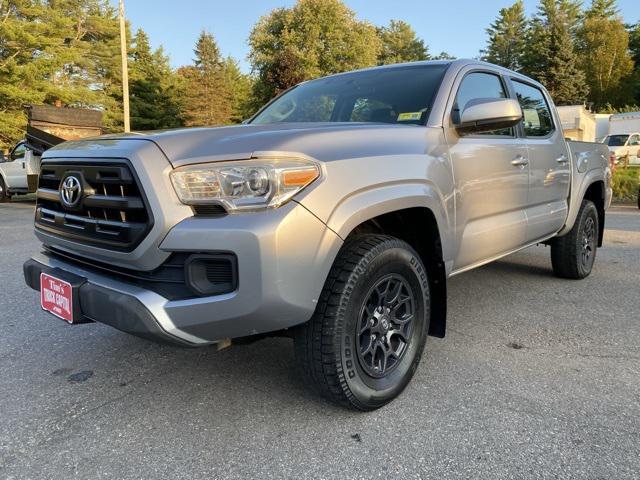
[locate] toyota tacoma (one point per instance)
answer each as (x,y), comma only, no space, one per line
(335,216)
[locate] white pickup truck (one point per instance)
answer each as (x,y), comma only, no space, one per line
(19,172)
(624,146)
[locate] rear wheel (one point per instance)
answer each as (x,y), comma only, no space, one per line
(574,254)
(365,340)
(4,194)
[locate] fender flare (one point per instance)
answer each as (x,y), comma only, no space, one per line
(577,196)
(377,200)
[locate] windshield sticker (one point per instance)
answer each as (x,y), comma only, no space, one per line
(408,116)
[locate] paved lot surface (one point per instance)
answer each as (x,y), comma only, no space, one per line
(537,378)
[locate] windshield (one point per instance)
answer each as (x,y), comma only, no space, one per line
(400,95)
(615,140)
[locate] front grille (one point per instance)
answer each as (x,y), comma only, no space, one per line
(111,213)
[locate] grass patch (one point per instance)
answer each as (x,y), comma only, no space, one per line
(625,184)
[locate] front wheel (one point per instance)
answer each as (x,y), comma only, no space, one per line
(365,340)
(4,194)
(573,254)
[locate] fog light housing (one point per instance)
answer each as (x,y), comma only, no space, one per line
(212,274)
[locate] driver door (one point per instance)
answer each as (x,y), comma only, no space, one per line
(16,168)
(634,149)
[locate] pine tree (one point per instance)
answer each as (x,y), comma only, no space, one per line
(239,86)
(507,44)
(602,9)
(550,57)
(400,44)
(50,51)
(208,100)
(153,99)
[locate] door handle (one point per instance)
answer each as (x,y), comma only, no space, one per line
(562,160)
(520,161)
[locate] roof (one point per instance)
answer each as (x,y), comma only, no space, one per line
(77,117)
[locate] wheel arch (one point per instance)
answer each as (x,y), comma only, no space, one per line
(596,193)
(427,241)
(591,188)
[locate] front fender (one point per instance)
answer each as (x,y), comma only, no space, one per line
(355,190)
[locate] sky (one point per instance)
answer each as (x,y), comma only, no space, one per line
(455,26)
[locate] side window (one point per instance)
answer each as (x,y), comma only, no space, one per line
(537,119)
(634,141)
(480,85)
(18,152)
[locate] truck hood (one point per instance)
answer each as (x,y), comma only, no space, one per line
(322,141)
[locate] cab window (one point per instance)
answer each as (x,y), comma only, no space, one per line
(18,152)
(537,121)
(634,141)
(478,85)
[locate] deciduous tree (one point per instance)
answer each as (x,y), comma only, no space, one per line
(400,44)
(310,39)
(604,55)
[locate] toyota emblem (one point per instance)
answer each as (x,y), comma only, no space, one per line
(70,191)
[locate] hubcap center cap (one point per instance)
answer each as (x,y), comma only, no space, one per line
(384,323)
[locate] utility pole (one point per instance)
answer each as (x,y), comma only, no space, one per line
(125,72)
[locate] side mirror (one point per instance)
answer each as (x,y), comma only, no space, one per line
(486,114)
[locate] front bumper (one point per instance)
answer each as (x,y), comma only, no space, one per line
(283,258)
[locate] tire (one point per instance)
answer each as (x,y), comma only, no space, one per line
(336,349)
(4,194)
(573,255)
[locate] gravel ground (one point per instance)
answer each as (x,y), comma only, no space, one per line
(537,378)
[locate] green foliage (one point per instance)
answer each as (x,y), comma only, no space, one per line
(152,87)
(208,98)
(609,108)
(240,87)
(506,45)
(602,9)
(69,50)
(310,39)
(55,50)
(625,184)
(634,43)
(444,56)
(400,44)
(550,57)
(604,54)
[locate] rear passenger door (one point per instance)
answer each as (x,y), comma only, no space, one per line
(491,176)
(549,169)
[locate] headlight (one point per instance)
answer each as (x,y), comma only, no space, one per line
(243,185)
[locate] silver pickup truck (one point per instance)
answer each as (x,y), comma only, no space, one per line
(334,216)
